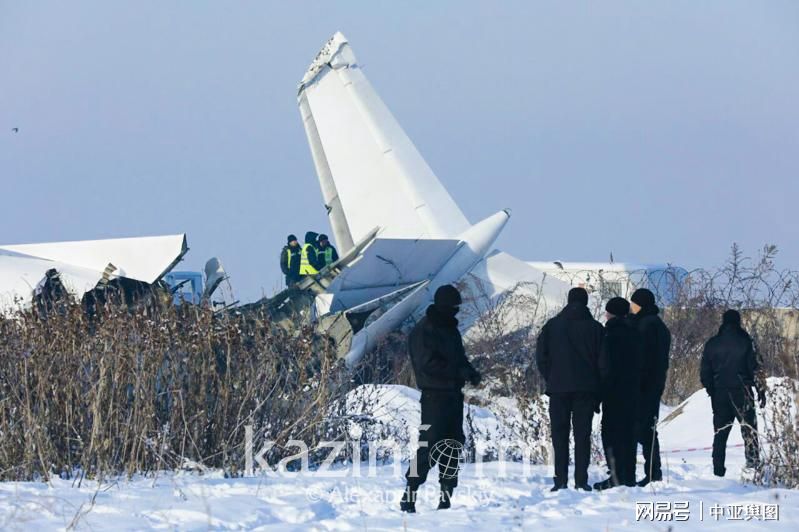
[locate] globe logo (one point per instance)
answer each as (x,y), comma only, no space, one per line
(448,455)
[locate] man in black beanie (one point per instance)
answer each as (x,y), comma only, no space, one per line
(620,365)
(655,346)
(290,260)
(441,368)
(567,354)
(730,368)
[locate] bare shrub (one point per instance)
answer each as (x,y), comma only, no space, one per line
(155,388)
(780,465)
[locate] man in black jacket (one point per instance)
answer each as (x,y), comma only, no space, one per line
(325,251)
(729,370)
(655,344)
(290,260)
(441,368)
(567,355)
(620,365)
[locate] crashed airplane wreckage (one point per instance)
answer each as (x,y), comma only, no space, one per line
(401,233)
(33,276)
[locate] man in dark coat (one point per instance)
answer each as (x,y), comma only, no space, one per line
(441,368)
(620,365)
(326,252)
(655,346)
(567,355)
(290,260)
(729,370)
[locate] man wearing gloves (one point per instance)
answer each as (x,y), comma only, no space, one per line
(655,344)
(567,355)
(730,368)
(441,368)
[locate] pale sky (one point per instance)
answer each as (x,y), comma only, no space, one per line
(661,131)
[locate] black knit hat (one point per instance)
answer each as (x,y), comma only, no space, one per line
(447,296)
(731,317)
(618,306)
(643,297)
(578,295)
(291,238)
(322,237)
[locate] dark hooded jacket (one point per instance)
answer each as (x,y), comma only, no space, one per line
(620,362)
(656,344)
(437,353)
(729,360)
(567,351)
(313,258)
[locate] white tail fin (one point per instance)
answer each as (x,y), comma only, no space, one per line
(369,170)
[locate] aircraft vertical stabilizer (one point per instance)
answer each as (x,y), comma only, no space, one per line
(369,170)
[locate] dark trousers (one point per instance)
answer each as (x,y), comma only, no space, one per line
(618,439)
(568,411)
(443,411)
(729,405)
(647,435)
(292,279)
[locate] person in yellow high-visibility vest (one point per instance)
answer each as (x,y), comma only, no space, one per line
(309,259)
(290,260)
(325,251)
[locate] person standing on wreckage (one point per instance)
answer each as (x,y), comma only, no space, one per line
(290,260)
(442,369)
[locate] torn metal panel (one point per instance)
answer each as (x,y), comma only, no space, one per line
(20,275)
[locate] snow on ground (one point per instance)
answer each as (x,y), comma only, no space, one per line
(492,501)
(491,496)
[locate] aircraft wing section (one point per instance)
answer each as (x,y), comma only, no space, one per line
(369,170)
(145,259)
(386,265)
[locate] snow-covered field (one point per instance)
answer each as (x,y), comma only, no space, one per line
(490,497)
(494,501)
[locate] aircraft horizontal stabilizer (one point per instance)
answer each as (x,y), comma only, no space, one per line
(386,265)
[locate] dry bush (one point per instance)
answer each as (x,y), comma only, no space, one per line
(155,388)
(780,464)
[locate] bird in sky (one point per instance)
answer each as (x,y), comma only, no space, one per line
(15,130)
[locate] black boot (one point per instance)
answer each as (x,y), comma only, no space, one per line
(559,486)
(647,479)
(584,487)
(445,500)
(605,484)
(408,501)
(719,471)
